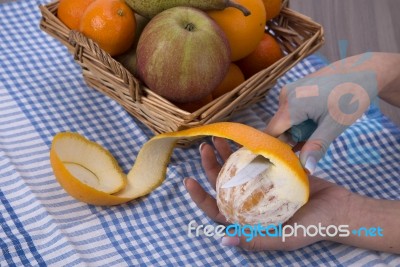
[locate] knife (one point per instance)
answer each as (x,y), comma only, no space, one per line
(259,164)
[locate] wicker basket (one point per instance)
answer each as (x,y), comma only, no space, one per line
(298,35)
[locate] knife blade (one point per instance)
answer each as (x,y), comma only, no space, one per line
(259,164)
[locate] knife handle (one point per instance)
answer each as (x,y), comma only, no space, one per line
(303,131)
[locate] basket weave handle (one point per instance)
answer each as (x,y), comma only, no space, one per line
(82,45)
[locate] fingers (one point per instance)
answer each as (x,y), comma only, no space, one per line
(311,153)
(287,237)
(209,206)
(318,143)
(258,243)
(223,148)
(272,242)
(203,200)
(209,159)
(279,123)
(211,166)
(210,163)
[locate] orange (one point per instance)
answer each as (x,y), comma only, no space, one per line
(232,79)
(272,8)
(111,24)
(149,168)
(243,32)
(195,105)
(270,197)
(70,12)
(267,52)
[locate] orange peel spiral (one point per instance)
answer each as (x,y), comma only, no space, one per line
(86,183)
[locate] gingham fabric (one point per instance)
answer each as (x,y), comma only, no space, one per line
(42,93)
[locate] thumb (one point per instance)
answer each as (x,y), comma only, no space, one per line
(312,151)
(317,145)
(255,244)
(279,123)
(272,242)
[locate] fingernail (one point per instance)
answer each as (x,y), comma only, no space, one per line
(184,182)
(201,146)
(310,165)
(213,139)
(230,241)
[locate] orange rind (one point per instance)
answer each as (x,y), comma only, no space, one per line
(149,168)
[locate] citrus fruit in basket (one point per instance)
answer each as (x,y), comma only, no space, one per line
(70,12)
(243,32)
(272,8)
(267,52)
(232,79)
(111,24)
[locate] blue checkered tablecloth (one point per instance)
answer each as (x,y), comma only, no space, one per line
(42,93)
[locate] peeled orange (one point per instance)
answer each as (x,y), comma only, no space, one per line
(271,197)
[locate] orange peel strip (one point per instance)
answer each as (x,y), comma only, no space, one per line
(149,169)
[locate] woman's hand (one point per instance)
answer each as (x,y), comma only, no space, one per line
(375,220)
(334,98)
(326,204)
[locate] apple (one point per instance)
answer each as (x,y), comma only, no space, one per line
(182,54)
